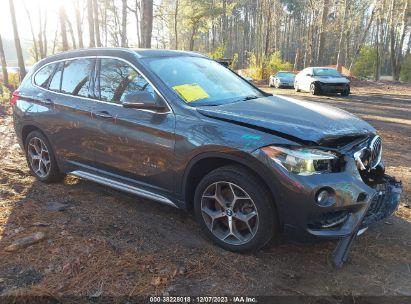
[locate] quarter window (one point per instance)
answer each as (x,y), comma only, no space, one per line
(56,79)
(118,78)
(42,77)
(76,77)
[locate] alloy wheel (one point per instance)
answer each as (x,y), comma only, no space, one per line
(39,157)
(229,213)
(312,89)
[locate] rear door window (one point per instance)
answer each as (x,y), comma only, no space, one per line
(42,77)
(117,79)
(56,79)
(76,77)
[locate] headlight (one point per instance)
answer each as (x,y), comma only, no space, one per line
(301,161)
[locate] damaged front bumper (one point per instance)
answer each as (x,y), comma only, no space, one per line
(382,204)
(356,203)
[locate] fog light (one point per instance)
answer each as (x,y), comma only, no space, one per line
(325,197)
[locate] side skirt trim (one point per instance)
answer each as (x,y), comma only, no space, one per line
(124,187)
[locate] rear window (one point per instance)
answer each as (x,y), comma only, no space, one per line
(43,75)
(76,77)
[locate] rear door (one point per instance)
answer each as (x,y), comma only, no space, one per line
(70,94)
(132,143)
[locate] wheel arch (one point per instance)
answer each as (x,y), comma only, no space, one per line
(27,129)
(204,163)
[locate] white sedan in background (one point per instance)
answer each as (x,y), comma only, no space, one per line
(317,80)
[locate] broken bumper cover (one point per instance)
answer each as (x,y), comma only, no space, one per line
(384,202)
(382,205)
(355,205)
(379,206)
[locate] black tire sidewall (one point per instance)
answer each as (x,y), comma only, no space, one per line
(54,174)
(262,200)
(313,92)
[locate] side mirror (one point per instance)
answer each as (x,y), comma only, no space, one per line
(142,100)
(309,75)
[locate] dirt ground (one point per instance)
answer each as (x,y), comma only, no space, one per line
(107,243)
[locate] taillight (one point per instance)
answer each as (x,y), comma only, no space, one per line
(14,98)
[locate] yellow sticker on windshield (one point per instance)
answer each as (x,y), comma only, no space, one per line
(191,92)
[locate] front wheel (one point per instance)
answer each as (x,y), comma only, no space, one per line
(314,89)
(345,92)
(234,210)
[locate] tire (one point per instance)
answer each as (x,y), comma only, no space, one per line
(38,147)
(314,89)
(276,85)
(345,92)
(255,205)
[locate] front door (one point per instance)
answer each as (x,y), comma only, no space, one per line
(131,143)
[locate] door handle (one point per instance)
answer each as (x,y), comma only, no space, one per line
(103,114)
(48,101)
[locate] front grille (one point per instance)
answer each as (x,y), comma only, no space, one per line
(375,151)
(329,220)
(333,84)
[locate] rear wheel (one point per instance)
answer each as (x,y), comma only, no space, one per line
(234,210)
(40,158)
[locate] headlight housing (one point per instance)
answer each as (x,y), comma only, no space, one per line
(302,161)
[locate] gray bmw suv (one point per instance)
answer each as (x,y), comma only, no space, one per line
(179,128)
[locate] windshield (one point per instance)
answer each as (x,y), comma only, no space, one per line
(201,81)
(326,72)
(285,74)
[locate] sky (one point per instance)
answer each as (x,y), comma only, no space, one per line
(23,24)
(52,6)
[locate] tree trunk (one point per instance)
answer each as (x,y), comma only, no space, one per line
(367,28)
(146,23)
(91,22)
(321,37)
(17,44)
(41,50)
(43,54)
(35,49)
(78,26)
(193,33)
(267,34)
(96,23)
(175,26)
(124,23)
(73,39)
(377,51)
(396,64)
(3,64)
(55,40)
(340,54)
(63,17)
(297,59)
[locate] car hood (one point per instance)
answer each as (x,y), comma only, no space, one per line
(331,79)
(290,118)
